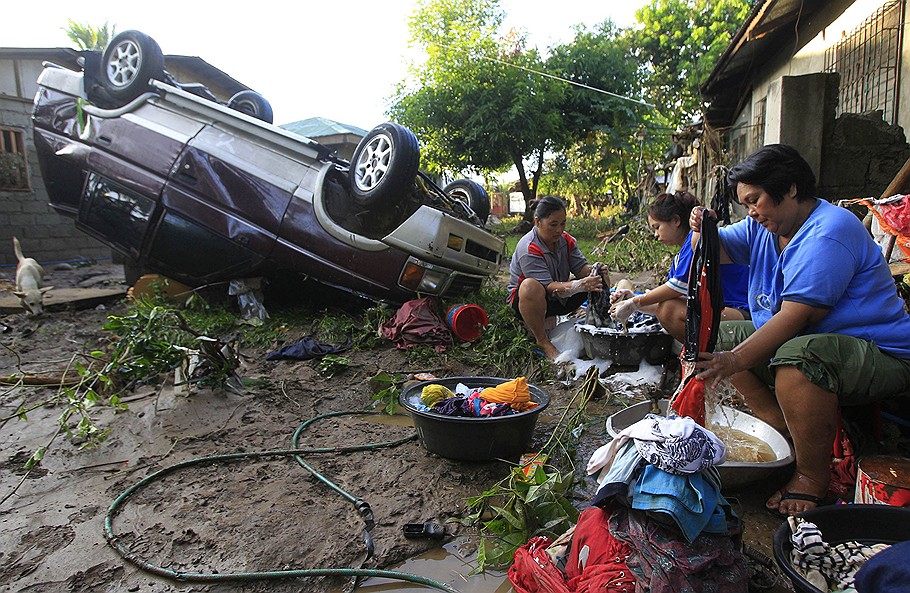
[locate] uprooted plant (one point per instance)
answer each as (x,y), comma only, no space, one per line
(533,499)
(153,340)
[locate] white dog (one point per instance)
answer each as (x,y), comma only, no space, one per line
(29,277)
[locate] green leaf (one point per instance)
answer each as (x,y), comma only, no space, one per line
(36,458)
(511,518)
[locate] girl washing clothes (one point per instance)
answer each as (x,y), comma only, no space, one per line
(668,216)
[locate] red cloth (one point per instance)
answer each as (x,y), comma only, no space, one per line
(597,560)
(417,323)
(533,572)
(691,400)
(843,465)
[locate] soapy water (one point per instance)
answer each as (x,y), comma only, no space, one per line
(638,323)
(568,340)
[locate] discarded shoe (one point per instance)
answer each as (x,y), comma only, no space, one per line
(427,530)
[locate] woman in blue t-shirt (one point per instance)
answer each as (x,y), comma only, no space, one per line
(668,216)
(828,327)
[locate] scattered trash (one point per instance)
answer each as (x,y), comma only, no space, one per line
(427,530)
(249,296)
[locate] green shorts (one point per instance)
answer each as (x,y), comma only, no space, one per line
(854,369)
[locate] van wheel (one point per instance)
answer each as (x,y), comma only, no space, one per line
(384,166)
(130,60)
(252,103)
(473,194)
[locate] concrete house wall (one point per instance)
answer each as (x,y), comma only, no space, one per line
(784,95)
(44,234)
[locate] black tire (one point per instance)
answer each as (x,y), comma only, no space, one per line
(473,194)
(384,166)
(130,60)
(253,104)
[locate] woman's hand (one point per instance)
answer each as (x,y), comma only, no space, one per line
(622,310)
(695,217)
(717,366)
(590,284)
(621,294)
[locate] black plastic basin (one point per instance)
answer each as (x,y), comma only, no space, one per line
(865,523)
(473,439)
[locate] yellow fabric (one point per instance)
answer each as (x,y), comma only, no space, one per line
(514,392)
(431,395)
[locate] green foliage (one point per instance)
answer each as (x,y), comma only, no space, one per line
(332,364)
(679,42)
(386,391)
(521,507)
(470,102)
(533,499)
(155,339)
(635,252)
(87,37)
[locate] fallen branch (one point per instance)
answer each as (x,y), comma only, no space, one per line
(39,380)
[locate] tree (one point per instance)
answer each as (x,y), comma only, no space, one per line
(475,102)
(679,42)
(601,127)
(87,37)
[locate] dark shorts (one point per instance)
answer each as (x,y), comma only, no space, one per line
(853,369)
(555,307)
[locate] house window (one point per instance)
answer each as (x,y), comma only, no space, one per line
(868,61)
(13,171)
(758,124)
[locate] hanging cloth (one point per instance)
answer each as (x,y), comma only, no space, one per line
(703,306)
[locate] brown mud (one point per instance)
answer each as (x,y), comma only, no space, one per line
(259,514)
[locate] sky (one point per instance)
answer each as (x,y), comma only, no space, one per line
(336,59)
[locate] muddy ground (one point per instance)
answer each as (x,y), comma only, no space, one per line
(255,514)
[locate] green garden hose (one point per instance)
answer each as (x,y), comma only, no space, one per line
(361,506)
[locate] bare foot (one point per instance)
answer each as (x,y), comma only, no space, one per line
(801,493)
(550,351)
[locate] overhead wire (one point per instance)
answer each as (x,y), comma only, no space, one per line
(548,75)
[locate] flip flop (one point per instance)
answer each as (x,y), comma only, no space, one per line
(785,495)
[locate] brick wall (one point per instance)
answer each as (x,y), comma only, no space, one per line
(44,234)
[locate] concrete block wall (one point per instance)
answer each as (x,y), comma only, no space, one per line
(44,234)
(862,155)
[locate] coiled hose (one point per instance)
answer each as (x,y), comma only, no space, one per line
(361,506)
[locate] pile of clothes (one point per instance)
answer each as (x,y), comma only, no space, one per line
(847,567)
(504,399)
(662,524)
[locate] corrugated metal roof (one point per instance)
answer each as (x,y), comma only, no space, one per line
(776,29)
(319,127)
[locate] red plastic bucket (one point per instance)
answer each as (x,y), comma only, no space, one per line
(883,479)
(467,321)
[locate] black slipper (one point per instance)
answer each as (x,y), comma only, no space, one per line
(818,500)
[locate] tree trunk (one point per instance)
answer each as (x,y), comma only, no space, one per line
(527,191)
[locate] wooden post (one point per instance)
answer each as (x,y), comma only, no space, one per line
(899,185)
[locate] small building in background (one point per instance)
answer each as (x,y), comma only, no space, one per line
(24,210)
(342,138)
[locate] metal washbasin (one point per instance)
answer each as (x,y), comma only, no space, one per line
(733,474)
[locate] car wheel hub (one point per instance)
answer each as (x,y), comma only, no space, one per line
(124,64)
(374,162)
